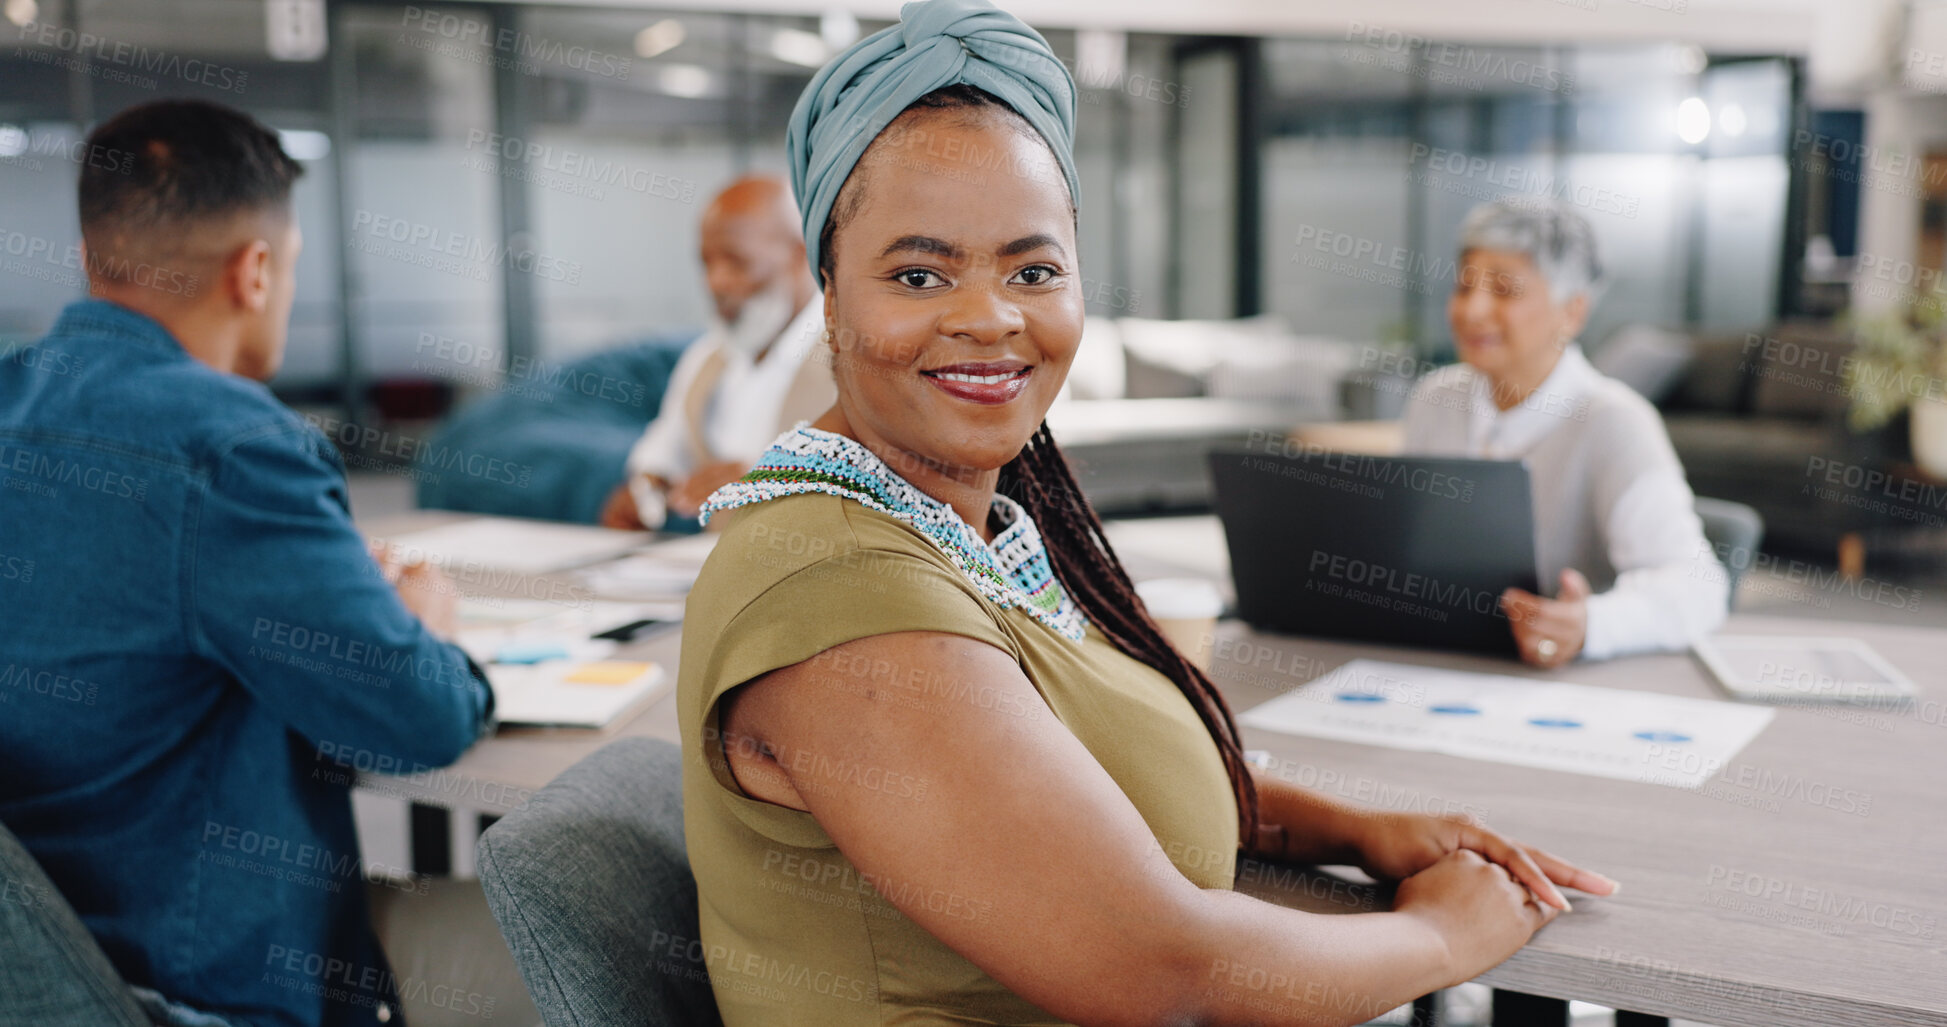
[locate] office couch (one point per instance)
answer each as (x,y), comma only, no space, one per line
(1146,399)
(1753,414)
(552,440)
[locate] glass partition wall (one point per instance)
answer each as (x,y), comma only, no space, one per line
(491,183)
(1372,155)
(71,62)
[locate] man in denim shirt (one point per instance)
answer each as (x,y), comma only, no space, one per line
(198,647)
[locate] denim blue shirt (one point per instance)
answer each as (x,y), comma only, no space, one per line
(196,655)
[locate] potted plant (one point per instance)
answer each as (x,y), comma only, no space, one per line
(1901,364)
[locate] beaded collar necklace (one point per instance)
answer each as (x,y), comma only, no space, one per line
(1012,571)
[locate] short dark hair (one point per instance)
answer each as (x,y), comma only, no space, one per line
(189,161)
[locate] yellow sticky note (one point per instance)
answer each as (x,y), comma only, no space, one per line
(607,672)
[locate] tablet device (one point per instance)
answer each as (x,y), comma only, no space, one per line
(1794,669)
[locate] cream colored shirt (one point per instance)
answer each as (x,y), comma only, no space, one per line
(1609,495)
(740,419)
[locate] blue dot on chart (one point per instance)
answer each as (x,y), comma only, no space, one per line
(1662,736)
(1455,710)
(1360,697)
(1555,722)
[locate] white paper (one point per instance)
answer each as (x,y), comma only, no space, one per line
(1605,732)
(517,546)
(663,571)
(535,694)
(487,624)
(639,577)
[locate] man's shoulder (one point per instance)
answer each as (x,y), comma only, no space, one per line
(210,415)
(178,411)
(238,435)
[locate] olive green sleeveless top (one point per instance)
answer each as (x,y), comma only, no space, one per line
(792,934)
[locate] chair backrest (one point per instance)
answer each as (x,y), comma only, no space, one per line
(52,974)
(1734,532)
(591,885)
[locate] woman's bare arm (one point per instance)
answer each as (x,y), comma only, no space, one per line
(1078,909)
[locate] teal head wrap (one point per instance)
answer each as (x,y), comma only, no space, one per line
(936,43)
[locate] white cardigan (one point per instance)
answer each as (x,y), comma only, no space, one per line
(741,417)
(1609,494)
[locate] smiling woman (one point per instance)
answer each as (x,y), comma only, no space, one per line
(955,296)
(940,764)
(1617,534)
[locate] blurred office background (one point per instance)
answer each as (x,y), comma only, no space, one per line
(492,184)
(1272,191)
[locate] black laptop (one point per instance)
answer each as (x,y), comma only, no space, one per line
(1402,550)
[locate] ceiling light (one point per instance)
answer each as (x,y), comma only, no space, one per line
(796,46)
(684,80)
(1731,119)
(295,30)
(303,144)
(1693,121)
(660,38)
(22,12)
(839,29)
(1101,56)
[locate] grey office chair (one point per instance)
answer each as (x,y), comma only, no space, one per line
(591,885)
(52,974)
(1734,532)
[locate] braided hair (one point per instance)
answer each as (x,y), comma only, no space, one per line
(1040,480)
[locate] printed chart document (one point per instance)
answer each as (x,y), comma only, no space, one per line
(517,546)
(1605,732)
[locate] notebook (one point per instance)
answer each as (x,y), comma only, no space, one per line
(516,546)
(555,665)
(574,693)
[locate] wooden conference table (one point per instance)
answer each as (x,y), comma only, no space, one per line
(1805,884)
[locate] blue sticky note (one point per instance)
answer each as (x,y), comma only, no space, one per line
(530,652)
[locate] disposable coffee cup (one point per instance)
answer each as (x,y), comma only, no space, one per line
(1187,610)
